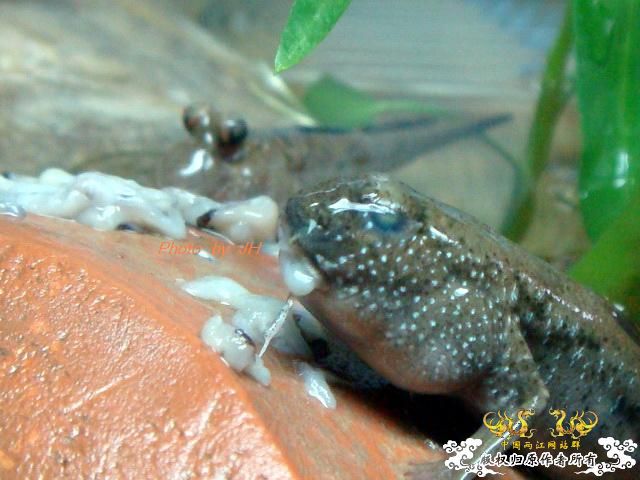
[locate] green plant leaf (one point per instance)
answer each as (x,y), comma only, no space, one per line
(309,22)
(336,104)
(612,266)
(608,85)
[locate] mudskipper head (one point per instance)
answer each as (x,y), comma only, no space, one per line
(223,160)
(386,269)
(352,231)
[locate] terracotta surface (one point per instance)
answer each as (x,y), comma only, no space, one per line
(103,374)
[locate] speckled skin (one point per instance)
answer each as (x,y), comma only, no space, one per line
(438,303)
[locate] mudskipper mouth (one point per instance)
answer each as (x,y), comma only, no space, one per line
(299,274)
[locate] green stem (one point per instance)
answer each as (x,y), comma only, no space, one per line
(551,102)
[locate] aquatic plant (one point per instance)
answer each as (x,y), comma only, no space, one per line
(605,38)
(309,22)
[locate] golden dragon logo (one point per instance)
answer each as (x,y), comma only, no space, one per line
(504,423)
(579,425)
(582,427)
(559,430)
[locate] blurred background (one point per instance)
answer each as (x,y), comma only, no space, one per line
(101,85)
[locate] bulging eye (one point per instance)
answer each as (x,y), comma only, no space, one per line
(200,120)
(392,221)
(232,132)
(230,137)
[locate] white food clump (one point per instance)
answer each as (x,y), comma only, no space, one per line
(12,210)
(309,326)
(218,288)
(297,272)
(234,348)
(255,219)
(271,248)
(254,316)
(106,202)
(316,385)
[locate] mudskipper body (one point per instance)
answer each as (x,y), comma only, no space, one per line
(227,160)
(438,303)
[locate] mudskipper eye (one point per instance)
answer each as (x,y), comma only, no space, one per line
(388,222)
(199,120)
(230,136)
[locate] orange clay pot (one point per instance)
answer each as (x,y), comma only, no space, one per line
(103,373)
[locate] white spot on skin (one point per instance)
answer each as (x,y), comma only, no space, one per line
(460,292)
